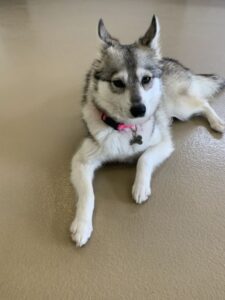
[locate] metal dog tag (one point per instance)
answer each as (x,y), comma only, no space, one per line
(137,139)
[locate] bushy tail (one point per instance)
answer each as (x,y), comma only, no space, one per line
(207,86)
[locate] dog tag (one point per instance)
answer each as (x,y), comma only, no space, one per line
(137,139)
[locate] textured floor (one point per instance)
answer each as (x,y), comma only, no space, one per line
(172,247)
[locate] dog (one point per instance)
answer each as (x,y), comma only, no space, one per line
(130,96)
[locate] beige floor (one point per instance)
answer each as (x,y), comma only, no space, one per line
(172,247)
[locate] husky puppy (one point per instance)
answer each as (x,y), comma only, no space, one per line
(130,96)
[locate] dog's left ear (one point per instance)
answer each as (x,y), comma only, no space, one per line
(152,36)
(105,36)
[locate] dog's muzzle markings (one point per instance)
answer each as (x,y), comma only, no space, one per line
(139,92)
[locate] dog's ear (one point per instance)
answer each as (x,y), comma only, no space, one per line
(105,36)
(152,36)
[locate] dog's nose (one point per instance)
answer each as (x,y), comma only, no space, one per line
(138,110)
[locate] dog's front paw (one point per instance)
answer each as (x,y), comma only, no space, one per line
(80,231)
(141,192)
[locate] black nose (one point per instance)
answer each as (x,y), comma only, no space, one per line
(138,110)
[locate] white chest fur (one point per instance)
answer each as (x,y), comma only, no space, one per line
(116,145)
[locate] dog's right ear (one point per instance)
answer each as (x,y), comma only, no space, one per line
(105,36)
(152,36)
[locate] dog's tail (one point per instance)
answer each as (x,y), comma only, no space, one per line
(207,86)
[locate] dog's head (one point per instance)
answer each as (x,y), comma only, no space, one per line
(128,76)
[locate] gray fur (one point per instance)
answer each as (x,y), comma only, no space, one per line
(218,80)
(173,71)
(87,81)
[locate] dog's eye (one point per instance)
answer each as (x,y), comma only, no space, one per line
(118,83)
(146,80)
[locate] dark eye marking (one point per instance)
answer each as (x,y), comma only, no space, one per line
(146,80)
(118,83)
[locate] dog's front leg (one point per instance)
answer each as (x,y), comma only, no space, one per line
(84,163)
(147,163)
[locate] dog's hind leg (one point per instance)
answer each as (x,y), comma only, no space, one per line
(84,163)
(187,106)
(214,120)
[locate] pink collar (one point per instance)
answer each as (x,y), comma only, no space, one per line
(116,125)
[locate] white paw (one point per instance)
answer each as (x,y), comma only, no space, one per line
(80,231)
(141,192)
(218,125)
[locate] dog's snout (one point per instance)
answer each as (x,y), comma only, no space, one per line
(138,110)
(136,100)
